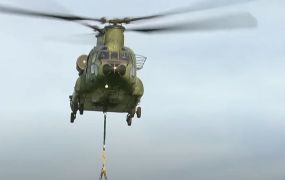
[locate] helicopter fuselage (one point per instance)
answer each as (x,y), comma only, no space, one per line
(107,77)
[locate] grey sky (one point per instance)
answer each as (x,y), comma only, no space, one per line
(213,106)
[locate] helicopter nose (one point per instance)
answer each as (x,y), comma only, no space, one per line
(117,69)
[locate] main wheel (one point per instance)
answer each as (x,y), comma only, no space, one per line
(139,112)
(129,120)
(81,109)
(72,117)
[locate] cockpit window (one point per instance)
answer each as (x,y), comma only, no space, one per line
(124,56)
(104,55)
(114,55)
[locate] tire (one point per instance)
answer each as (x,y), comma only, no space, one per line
(139,112)
(129,120)
(72,117)
(81,109)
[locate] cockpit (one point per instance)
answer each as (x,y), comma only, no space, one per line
(113,55)
(116,62)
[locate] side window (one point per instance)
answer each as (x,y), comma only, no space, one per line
(94,69)
(133,69)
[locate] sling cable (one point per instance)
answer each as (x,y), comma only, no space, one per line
(103,173)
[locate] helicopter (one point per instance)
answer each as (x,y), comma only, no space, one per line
(107,76)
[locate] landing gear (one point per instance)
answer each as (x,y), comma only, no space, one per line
(129,120)
(72,117)
(132,114)
(75,106)
(81,109)
(139,112)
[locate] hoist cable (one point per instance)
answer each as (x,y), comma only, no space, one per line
(104,154)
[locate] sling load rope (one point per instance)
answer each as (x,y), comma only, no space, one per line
(104,154)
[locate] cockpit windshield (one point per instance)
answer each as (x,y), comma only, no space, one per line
(114,55)
(104,55)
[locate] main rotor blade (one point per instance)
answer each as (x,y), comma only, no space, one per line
(24,12)
(224,22)
(78,19)
(198,6)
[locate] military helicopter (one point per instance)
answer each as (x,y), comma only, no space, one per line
(108,79)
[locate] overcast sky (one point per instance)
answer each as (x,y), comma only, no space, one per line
(213,107)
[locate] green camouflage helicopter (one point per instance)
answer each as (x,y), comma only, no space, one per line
(108,79)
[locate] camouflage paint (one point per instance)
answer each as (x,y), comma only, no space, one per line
(98,92)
